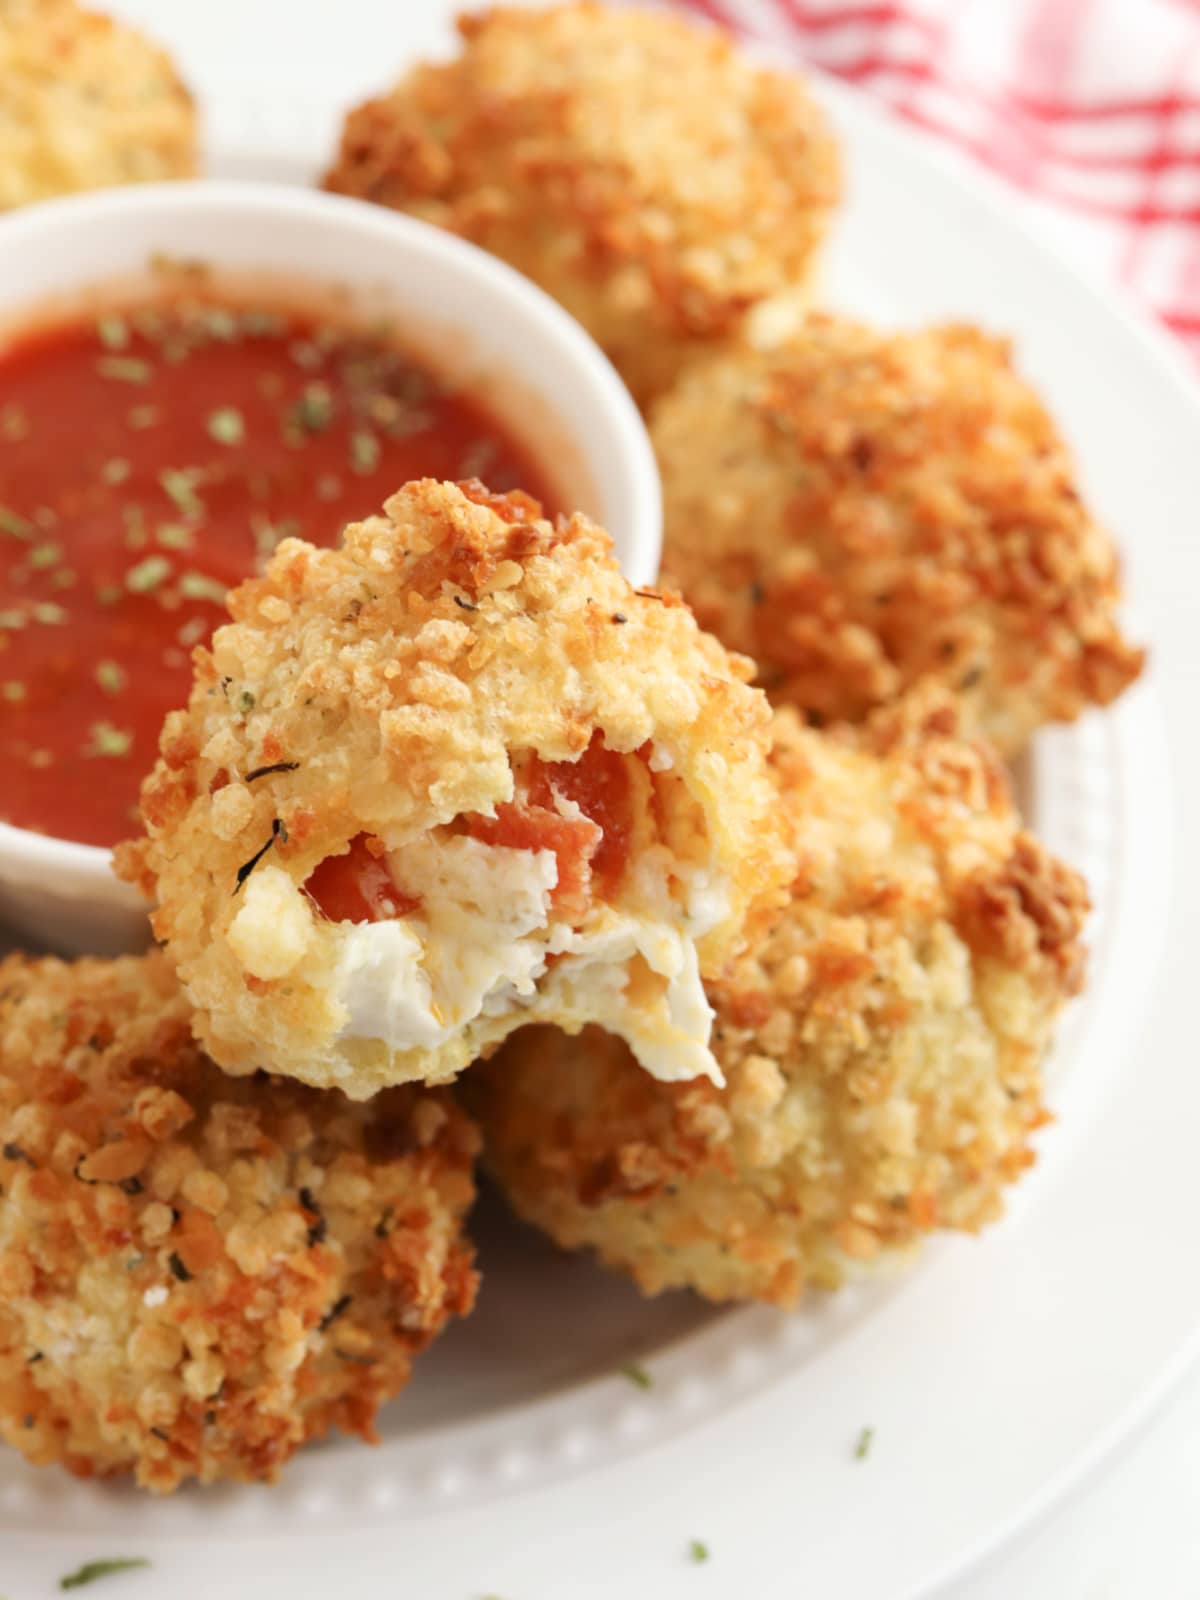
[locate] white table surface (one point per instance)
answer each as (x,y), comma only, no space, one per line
(1133,1530)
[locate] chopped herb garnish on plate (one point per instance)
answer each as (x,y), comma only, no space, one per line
(125,369)
(863,1448)
(49,615)
(637,1375)
(109,741)
(698,1551)
(90,1571)
(45,555)
(226,425)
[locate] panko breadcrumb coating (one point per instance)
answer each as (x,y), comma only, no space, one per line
(198,1274)
(85,103)
(882,1044)
(861,511)
(455,776)
(654,181)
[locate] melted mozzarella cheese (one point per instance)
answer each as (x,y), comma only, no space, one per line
(485,948)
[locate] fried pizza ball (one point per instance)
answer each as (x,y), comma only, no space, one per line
(654,181)
(85,103)
(882,1044)
(200,1273)
(861,511)
(455,776)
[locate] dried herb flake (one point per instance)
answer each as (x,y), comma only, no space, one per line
(124,369)
(111,677)
(109,741)
(91,1570)
(226,425)
(14,526)
(147,575)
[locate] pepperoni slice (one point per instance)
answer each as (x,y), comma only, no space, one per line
(357,887)
(598,783)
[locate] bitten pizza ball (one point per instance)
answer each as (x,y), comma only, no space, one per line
(655,181)
(882,1043)
(85,103)
(455,776)
(199,1273)
(862,511)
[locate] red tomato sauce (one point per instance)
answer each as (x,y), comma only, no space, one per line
(148,461)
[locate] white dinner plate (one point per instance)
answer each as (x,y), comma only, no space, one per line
(521,1463)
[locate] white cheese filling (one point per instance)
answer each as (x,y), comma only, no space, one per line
(485,946)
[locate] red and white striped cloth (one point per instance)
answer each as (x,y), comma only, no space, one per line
(1091,107)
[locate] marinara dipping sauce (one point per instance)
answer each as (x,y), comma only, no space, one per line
(151,458)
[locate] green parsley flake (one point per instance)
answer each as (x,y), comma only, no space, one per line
(863,1448)
(125,369)
(147,574)
(111,677)
(698,1552)
(115,471)
(136,537)
(198,586)
(13,692)
(14,526)
(53,616)
(174,536)
(109,741)
(637,1375)
(262,324)
(113,332)
(45,555)
(364,451)
(179,484)
(305,354)
(314,410)
(91,1570)
(220,324)
(245,702)
(226,425)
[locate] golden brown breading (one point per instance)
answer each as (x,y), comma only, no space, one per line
(85,103)
(861,511)
(639,169)
(198,1274)
(882,1044)
(560,783)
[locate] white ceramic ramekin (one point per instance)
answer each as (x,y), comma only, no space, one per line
(467,315)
